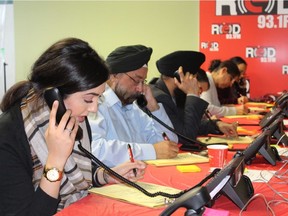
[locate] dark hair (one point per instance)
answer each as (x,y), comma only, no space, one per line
(232,68)
(202,76)
(70,64)
(214,64)
(238,60)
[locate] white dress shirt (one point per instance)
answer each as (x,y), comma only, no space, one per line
(116,125)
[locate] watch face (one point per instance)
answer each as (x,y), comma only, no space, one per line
(52,175)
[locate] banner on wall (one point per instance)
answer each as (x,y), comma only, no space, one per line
(256,30)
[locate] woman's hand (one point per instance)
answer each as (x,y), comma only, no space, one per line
(242,100)
(60,137)
(126,170)
(241,109)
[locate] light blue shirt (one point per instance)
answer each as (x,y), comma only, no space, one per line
(115,126)
(211,96)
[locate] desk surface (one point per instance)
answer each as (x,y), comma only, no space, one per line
(169,176)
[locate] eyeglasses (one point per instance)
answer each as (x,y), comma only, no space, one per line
(136,82)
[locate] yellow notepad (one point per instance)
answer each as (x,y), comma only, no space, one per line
(249,116)
(127,193)
(182,158)
(240,139)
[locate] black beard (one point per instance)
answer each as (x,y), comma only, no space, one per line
(123,96)
(129,100)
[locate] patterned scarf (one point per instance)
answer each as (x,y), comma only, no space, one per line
(77,176)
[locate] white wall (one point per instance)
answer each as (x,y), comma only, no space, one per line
(7,51)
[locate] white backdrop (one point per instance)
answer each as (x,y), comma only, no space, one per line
(7,48)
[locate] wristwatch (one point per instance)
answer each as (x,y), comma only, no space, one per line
(52,174)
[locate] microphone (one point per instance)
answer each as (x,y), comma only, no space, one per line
(142,103)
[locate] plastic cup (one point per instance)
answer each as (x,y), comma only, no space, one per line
(217,155)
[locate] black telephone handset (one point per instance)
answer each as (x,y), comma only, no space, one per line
(280,101)
(52,94)
(142,101)
(270,117)
(176,75)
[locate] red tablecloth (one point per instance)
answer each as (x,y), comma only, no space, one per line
(170,176)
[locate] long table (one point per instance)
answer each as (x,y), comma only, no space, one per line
(95,204)
(169,176)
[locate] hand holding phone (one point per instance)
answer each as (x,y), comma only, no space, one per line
(52,94)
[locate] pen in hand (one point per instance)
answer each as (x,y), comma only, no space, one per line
(132,158)
(165,137)
(207,114)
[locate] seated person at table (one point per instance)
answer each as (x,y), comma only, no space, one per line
(41,168)
(181,100)
(120,121)
(223,75)
(236,94)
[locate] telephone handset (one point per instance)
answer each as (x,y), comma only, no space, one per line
(52,94)
(142,101)
(176,75)
(280,101)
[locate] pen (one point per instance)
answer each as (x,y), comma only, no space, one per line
(165,137)
(207,114)
(132,158)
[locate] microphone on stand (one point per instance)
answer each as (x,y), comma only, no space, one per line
(142,103)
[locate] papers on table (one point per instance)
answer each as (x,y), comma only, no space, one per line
(130,194)
(254,117)
(245,131)
(240,140)
(259,104)
(259,175)
(182,158)
(283,151)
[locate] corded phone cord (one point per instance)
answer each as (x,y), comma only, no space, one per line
(148,112)
(147,193)
(113,173)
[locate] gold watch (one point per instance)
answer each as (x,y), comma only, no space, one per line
(52,174)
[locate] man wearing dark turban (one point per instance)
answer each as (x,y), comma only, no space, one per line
(120,121)
(181,99)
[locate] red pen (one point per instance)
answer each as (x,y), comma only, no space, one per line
(132,158)
(165,137)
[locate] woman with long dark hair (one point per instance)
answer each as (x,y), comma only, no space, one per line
(41,168)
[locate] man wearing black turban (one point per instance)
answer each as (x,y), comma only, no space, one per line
(120,121)
(181,99)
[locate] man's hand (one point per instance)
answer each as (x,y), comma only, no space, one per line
(166,149)
(229,130)
(189,83)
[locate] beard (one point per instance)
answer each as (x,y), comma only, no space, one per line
(124,96)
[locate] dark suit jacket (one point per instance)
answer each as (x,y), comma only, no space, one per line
(186,116)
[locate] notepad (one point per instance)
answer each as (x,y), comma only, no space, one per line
(213,140)
(181,159)
(254,117)
(244,131)
(258,104)
(127,193)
